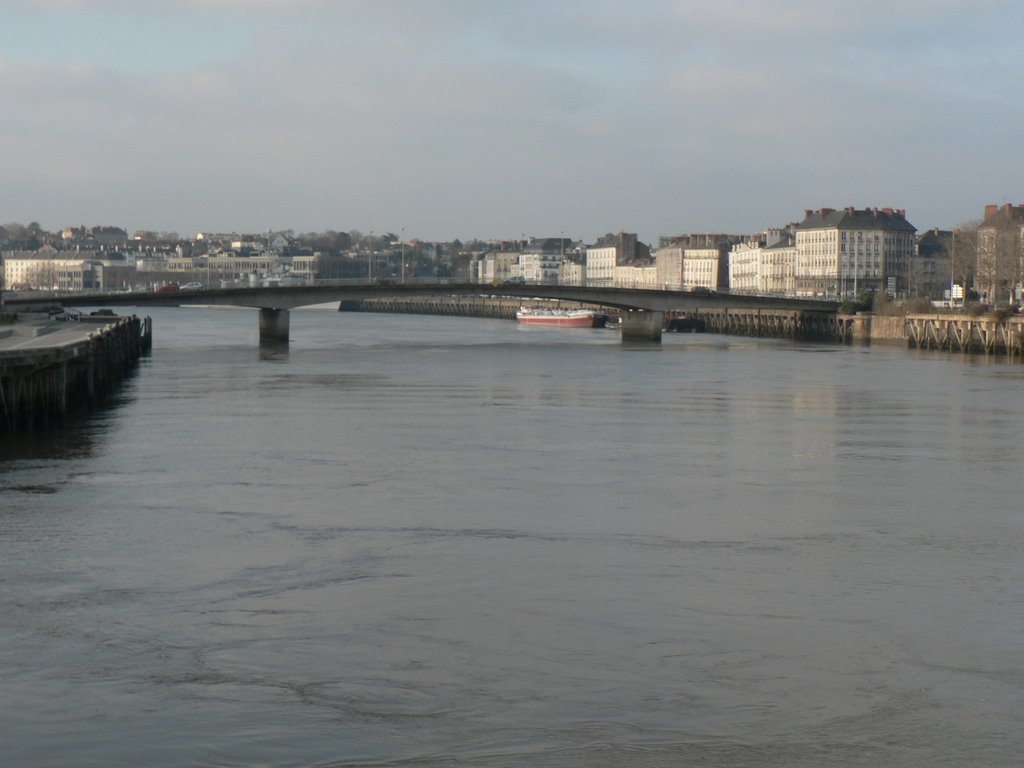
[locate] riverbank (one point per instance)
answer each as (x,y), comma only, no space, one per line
(50,368)
(955,333)
(984,334)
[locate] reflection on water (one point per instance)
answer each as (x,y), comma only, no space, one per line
(446,542)
(76,439)
(274,351)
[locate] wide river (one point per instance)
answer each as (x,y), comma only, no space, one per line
(429,541)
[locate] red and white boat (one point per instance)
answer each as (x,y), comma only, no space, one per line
(563,318)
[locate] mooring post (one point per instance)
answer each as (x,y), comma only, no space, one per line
(642,325)
(274,325)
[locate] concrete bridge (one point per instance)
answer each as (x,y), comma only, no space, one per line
(642,310)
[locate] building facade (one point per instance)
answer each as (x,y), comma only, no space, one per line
(1000,259)
(72,271)
(601,262)
(571,273)
(763,267)
(538,268)
(842,253)
(644,276)
(493,267)
(705,268)
(668,261)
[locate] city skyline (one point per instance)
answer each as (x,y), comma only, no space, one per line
(456,119)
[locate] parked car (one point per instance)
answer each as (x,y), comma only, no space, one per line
(168,287)
(193,286)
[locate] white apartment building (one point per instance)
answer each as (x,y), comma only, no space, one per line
(494,267)
(745,267)
(44,271)
(538,268)
(704,268)
(72,271)
(841,253)
(778,262)
(571,273)
(762,270)
(601,263)
(637,276)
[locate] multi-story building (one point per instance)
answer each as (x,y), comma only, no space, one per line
(493,267)
(705,268)
(572,273)
(637,276)
(225,266)
(538,268)
(692,261)
(840,253)
(51,270)
(611,251)
(46,270)
(668,264)
(745,267)
(540,260)
(1000,254)
(778,261)
(601,262)
(330,266)
(763,266)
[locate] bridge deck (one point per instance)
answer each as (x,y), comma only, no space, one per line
(299,296)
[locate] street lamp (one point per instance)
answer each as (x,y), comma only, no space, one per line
(403,254)
(369,261)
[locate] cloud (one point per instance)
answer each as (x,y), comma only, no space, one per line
(501,117)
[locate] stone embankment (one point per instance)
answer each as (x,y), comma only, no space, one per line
(962,333)
(51,368)
(955,333)
(985,334)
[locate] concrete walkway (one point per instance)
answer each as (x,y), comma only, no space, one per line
(39,332)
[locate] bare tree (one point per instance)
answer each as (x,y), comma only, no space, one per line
(998,257)
(40,277)
(964,255)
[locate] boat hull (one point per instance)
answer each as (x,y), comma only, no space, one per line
(560,318)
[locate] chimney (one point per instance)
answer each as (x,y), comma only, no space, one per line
(887,211)
(849,210)
(826,211)
(901,212)
(990,210)
(807,213)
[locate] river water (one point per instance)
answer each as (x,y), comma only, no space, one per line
(429,541)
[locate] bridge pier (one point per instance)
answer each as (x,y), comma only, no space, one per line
(642,325)
(274,325)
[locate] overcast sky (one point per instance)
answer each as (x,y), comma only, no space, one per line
(486,118)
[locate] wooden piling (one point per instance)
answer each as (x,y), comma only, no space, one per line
(40,386)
